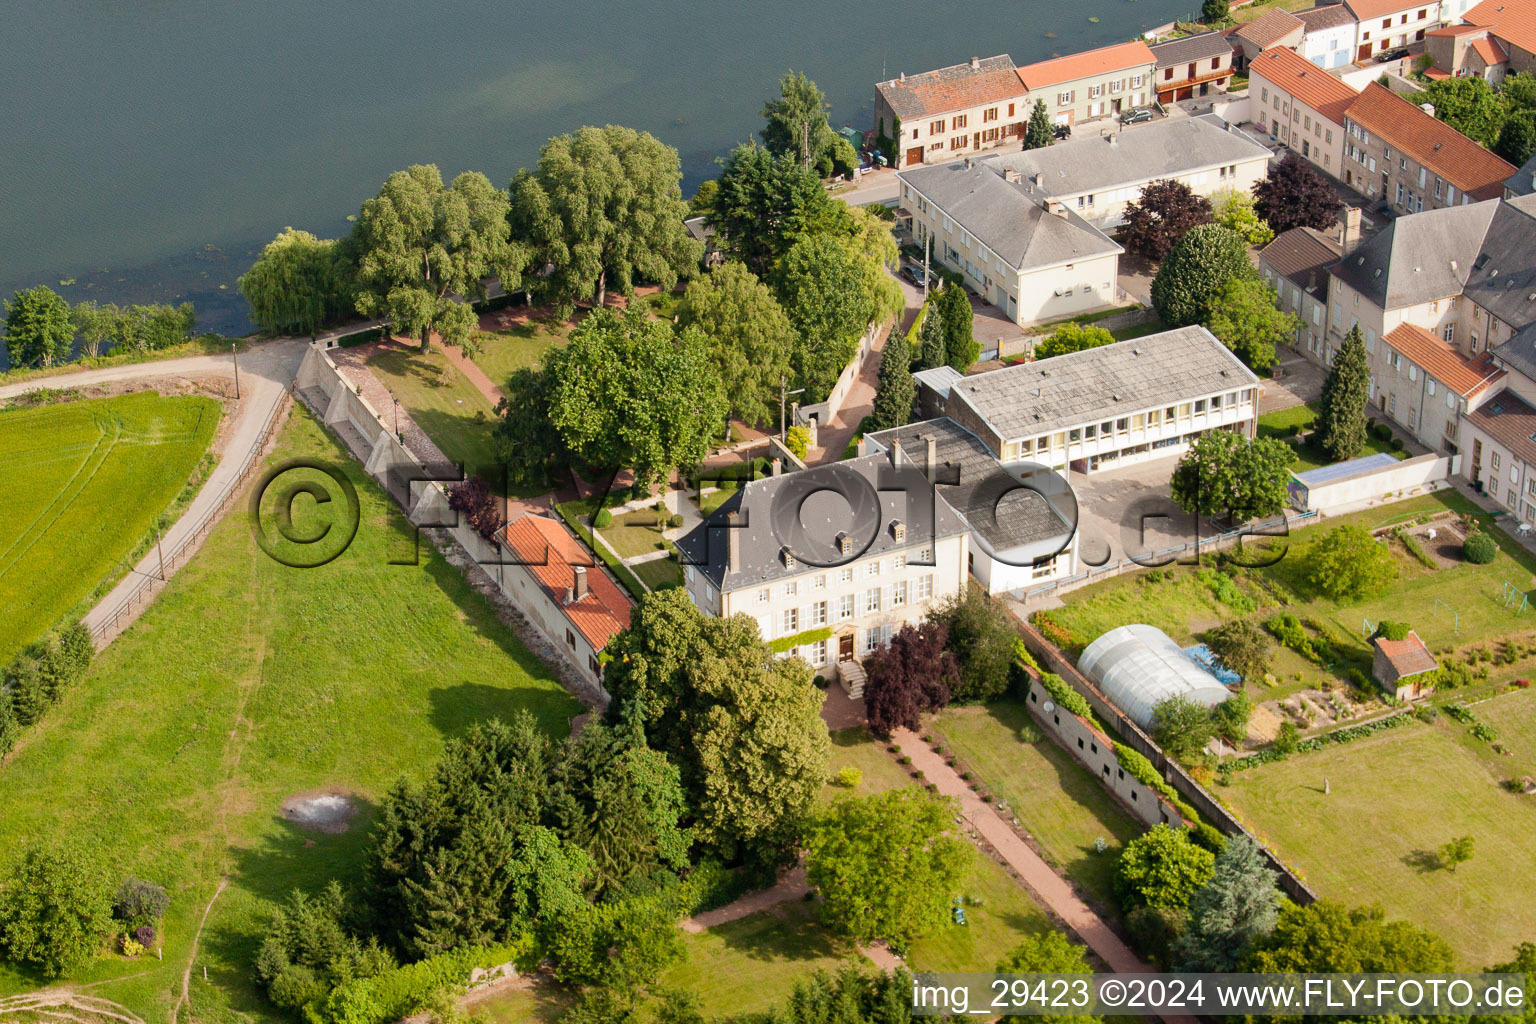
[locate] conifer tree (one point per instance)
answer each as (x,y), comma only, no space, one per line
(1341,425)
(931,337)
(1235,908)
(1038,133)
(894,390)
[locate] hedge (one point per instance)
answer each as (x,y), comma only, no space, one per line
(38,676)
(1067,698)
(402,991)
(810,636)
(1142,771)
(1344,735)
(618,568)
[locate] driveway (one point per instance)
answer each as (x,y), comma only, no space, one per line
(1127,511)
(1298,382)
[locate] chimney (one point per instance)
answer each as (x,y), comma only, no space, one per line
(933,458)
(1011,174)
(777,466)
(1058,208)
(1428,108)
(1038,178)
(732,542)
(975,63)
(896,452)
(903,76)
(1349,230)
(580,589)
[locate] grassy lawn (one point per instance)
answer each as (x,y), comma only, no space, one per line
(246,682)
(1252,12)
(714,499)
(856,748)
(442,401)
(659,572)
(1139,330)
(635,533)
(1001,916)
(1395,798)
(1057,799)
(1277,425)
(99,473)
(1513,717)
(503,352)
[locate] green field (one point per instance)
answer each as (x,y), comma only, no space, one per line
(635,533)
(659,572)
(244,683)
(1394,798)
(91,477)
(503,352)
(1513,717)
(1056,799)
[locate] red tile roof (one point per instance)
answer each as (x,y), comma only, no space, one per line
(1408,656)
(991,80)
(1491,52)
(1271,28)
(1103,61)
(1454,30)
(1365,10)
(1290,72)
(1442,362)
(1431,142)
(1511,20)
(550,555)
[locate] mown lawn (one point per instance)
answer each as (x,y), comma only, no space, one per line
(244,683)
(1394,798)
(635,533)
(504,352)
(1054,797)
(86,483)
(659,572)
(442,401)
(1278,425)
(1513,716)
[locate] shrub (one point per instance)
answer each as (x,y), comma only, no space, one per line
(1392,630)
(1208,837)
(674,520)
(132,946)
(139,903)
(1480,548)
(146,935)
(481,509)
(1286,739)
(603,519)
(798,440)
(849,778)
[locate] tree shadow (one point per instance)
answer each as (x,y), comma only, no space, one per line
(787,932)
(455,708)
(1423,861)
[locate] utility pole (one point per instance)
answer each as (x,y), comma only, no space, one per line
(784,394)
(234,350)
(161,552)
(927,245)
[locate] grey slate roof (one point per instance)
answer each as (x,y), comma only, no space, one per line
(1009,217)
(1065,391)
(1326,16)
(1519,352)
(940,379)
(972,480)
(1197,47)
(1523,181)
(1503,277)
(1161,149)
(1302,256)
(799,510)
(1418,258)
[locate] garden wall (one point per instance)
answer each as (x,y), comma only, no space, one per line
(1422,474)
(1054,660)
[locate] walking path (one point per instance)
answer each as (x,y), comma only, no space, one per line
(791,887)
(832,439)
(471,370)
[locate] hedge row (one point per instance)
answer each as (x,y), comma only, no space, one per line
(1344,735)
(38,676)
(1142,770)
(810,636)
(1067,698)
(401,991)
(618,568)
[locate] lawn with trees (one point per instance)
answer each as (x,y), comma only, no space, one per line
(101,475)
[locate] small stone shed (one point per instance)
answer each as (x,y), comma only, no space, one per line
(1404,667)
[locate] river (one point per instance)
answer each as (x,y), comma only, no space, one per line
(149,148)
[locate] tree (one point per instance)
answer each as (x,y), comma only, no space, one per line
(152,328)
(1233,209)
(619,949)
(1240,646)
(931,334)
(481,509)
(604,205)
(1349,565)
(1072,337)
(960,346)
(886,865)
(528,447)
(298,283)
(38,329)
(1524,963)
(309,949)
(1196,271)
(820,285)
(764,205)
(138,903)
(1328,937)
(1247,319)
(1182,726)
(1341,422)
(1214,12)
(1458,851)
(1517,137)
(95,325)
(1161,868)
(1467,104)
(1038,133)
(798,440)
(750,339)
(703,202)
(980,632)
(1236,908)
(1295,194)
(1228,475)
(1162,215)
(422,246)
(1232,716)
(909,677)
(628,391)
(54,911)
(895,391)
(797,127)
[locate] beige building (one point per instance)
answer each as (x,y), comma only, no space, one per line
(1191,66)
(1097,83)
(829,561)
(1512,25)
(1391,24)
(1300,106)
(1424,385)
(1032,257)
(1296,265)
(954,111)
(1461,51)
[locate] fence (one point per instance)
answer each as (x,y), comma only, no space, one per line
(109,621)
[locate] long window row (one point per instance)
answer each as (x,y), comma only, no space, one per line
(1183,412)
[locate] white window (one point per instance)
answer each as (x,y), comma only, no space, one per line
(819,614)
(898,563)
(846,575)
(819,582)
(791,621)
(1450,332)
(790,588)
(873,569)
(845,607)
(925,587)
(872,640)
(925,556)
(872,599)
(898,594)
(818,653)
(764,595)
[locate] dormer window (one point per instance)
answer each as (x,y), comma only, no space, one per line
(789,559)
(844,544)
(899,531)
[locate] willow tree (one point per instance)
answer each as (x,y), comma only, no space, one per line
(298,283)
(425,249)
(604,207)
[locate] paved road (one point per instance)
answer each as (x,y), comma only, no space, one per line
(266,371)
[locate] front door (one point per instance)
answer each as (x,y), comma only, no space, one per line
(1477,460)
(914,156)
(845,647)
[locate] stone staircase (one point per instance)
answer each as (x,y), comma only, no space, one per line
(851,675)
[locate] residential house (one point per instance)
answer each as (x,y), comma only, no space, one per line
(1096,83)
(1296,265)
(1424,384)
(1033,258)
(1391,24)
(829,561)
(1501,436)
(1277,28)
(1512,24)
(1460,51)
(954,111)
(1405,156)
(1300,106)
(554,582)
(1329,41)
(1098,177)
(1191,66)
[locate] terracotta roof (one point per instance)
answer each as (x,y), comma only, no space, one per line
(1454,30)
(1431,142)
(1408,656)
(1267,31)
(1365,10)
(1442,362)
(1302,256)
(1511,20)
(1509,421)
(551,557)
(1491,52)
(953,88)
(1292,73)
(1326,16)
(1435,73)
(1072,67)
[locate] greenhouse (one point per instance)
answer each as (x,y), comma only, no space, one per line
(1138,666)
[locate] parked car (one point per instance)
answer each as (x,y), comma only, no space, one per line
(1136,116)
(914,272)
(1061,131)
(1390,55)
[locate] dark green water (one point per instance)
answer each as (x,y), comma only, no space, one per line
(148,148)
